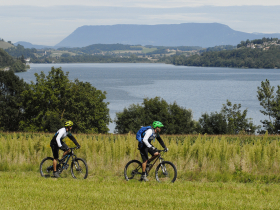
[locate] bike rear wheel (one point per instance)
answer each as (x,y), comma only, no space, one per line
(166,172)
(133,170)
(46,167)
(79,169)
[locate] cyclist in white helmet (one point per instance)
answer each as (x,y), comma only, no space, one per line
(57,144)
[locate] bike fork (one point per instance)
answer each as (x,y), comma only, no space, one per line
(163,168)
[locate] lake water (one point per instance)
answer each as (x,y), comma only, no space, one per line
(201,89)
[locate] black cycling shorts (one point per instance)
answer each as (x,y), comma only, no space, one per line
(55,149)
(144,152)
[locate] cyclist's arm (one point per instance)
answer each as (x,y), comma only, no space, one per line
(58,137)
(148,133)
(160,141)
(73,139)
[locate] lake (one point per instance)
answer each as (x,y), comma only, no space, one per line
(201,89)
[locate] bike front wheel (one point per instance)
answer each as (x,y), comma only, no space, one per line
(166,172)
(133,170)
(79,169)
(46,167)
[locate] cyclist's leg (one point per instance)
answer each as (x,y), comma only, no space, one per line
(154,154)
(64,148)
(144,155)
(55,150)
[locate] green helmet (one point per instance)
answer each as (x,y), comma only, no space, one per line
(68,123)
(157,124)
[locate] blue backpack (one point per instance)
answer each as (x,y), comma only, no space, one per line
(141,133)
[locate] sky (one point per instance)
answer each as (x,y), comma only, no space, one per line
(49,22)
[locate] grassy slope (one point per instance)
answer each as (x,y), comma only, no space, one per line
(5,45)
(147,50)
(30,191)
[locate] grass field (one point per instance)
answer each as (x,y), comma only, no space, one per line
(147,50)
(197,158)
(214,172)
(27,190)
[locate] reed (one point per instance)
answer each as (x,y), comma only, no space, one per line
(242,158)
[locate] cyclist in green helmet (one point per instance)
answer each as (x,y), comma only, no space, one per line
(57,144)
(145,146)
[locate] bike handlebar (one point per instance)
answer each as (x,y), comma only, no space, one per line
(73,148)
(161,151)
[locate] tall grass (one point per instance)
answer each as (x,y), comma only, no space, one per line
(242,158)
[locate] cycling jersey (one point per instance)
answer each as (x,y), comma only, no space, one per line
(60,135)
(151,135)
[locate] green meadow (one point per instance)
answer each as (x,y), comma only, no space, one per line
(27,190)
(214,172)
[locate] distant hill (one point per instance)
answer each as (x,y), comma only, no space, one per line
(5,45)
(185,34)
(29,45)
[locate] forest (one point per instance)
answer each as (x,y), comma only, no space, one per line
(264,53)
(14,64)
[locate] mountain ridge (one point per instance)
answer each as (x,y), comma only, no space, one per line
(184,34)
(30,45)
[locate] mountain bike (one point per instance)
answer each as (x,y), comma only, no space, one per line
(79,168)
(165,171)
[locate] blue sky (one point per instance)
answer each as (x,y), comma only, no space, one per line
(49,22)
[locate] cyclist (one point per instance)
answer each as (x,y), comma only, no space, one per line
(145,146)
(57,143)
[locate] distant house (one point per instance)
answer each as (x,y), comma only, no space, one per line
(251,45)
(27,60)
(265,44)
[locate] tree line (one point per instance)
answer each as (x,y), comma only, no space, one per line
(237,58)
(46,104)
(66,58)
(256,41)
(178,120)
(15,64)
(98,48)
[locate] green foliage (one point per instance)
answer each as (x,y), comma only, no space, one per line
(241,58)
(6,60)
(231,120)
(18,66)
(236,120)
(98,48)
(213,123)
(207,158)
(11,88)
(65,55)
(176,119)
(270,101)
(91,59)
(256,41)
(218,48)
(19,51)
(53,99)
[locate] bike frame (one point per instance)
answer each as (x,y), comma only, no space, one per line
(67,157)
(159,157)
